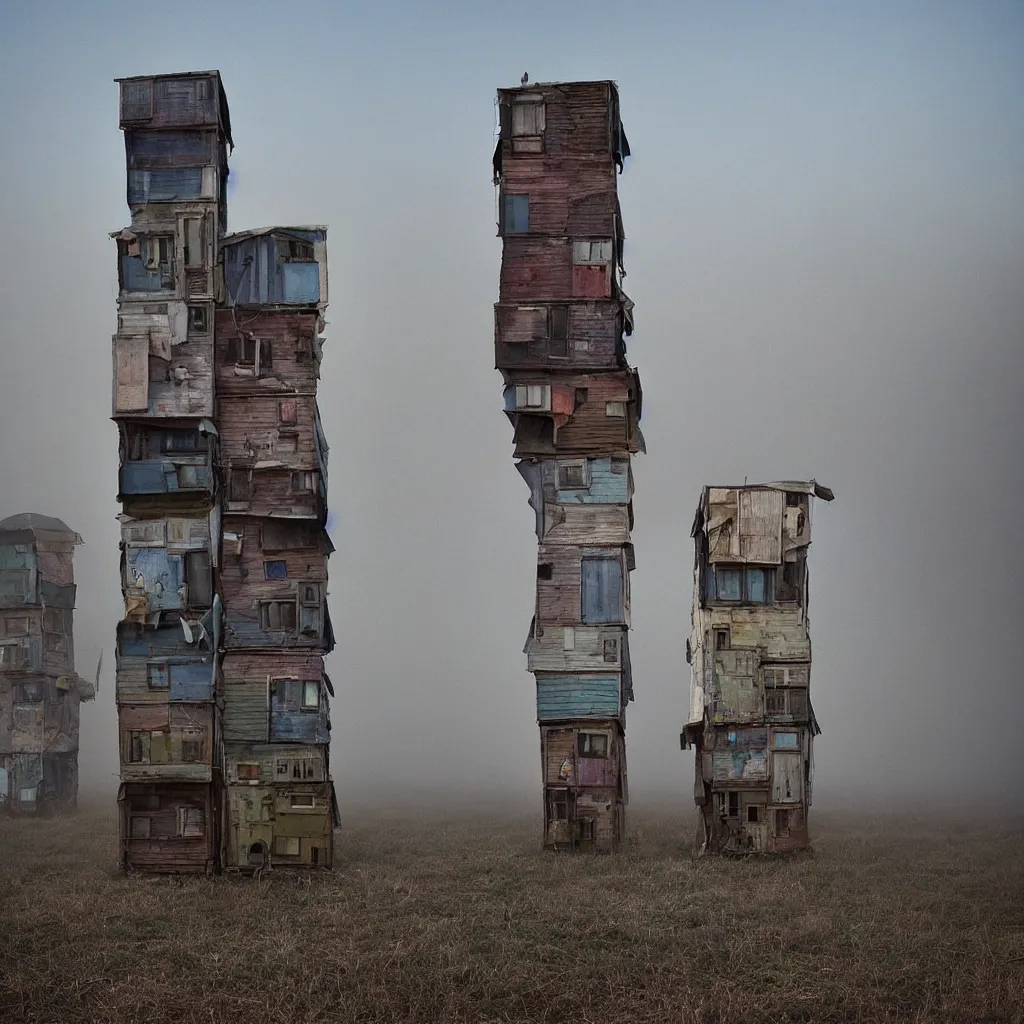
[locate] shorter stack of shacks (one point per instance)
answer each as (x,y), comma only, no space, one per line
(574,402)
(751,721)
(40,692)
(221,694)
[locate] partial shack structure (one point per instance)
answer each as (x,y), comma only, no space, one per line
(194,426)
(751,722)
(574,403)
(40,691)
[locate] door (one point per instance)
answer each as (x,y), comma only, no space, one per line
(787,777)
(602,590)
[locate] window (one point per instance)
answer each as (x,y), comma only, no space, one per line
(527,118)
(794,499)
(592,744)
(722,638)
(615,410)
(277,615)
(303,483)
(195,242)
(199,579)
(286,846)
(288,411)
(180,442)
(18,625)
(580,397)
(311,695)
(782,823)
(301,769)
(239,485)
(585,830)
(158,249)
(544,570)
(573,475)
(754,814)
(611,651)
(198,320)
(558,331)
(775,702)
(140,828)
(568,639)
(286,536)
(734,805)
(191,822)
(516,211)
(786,741)
(592,252)
(558,805)
(752,585)
(276,570)
(158,676)
(533,396)
(203,88)
(247,769)
(303,800)
(138,747)
(299,250)
(309,611)
(191,750)
(14,656)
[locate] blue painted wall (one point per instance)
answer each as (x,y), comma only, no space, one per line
(160,476)
(566,697)
(606,487)
(164,185)
(269,277)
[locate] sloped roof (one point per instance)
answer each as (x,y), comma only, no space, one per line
(36,522)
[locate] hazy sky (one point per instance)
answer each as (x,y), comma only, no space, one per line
(825,244)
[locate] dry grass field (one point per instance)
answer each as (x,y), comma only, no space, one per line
(463,918)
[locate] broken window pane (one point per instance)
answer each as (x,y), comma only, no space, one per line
(592,744)
(572,475)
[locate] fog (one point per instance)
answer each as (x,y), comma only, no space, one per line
(825,244)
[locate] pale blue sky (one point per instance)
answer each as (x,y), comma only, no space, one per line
(825,220)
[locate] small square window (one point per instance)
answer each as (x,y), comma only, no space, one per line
(191,751)
(303,800)
(722,638)
(611,651)
(158,676)
(276,570)
(198,320)
(303,483)
(140,828)
(615,410)
(544,571)
(753,814)
(592,744)
(572,475)
(191,822)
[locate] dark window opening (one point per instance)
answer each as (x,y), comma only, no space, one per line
(558,331)
(276,570)
(794,499)
(198,320)
(585,828)
(199,579)
(544,571)
(278,615)
(303,482)
(611,651)
(753,814)
(734,805)
(191,751)
(722,639)
(572,475)
(300,250)
(580,397)
(781,822)
(592,744)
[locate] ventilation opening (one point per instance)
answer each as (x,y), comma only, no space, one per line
(258,855)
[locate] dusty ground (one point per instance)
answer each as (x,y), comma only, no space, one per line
(465,919)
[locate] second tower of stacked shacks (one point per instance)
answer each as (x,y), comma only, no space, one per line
(575,404)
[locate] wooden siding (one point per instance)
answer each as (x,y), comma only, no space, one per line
(579,118)
(563,765)
(247,678)
(535,268)
(745,525)
(571,196)
(178,670)
(561,698)
(187,100)
(149,385)
(159,754)
(589,430)
(593,337)
(592,525)
(181,822)
(294,344)
(283,833)
(271,495)
(255,764)
(254,431)
(593,649)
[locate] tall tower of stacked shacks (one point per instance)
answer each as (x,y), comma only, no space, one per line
(574,402)
(221,692)
(40,692)
(751,721)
